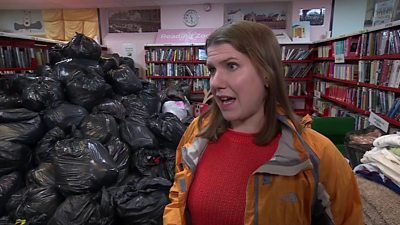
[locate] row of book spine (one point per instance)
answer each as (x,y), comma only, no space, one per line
(175,69)
(380,43)
(200,84)
(378,72)
(194,84)
(295,53)
(366,44)
(170,54)
(18,57)
(326,108)
(363,98)
(297,88)
(296,70)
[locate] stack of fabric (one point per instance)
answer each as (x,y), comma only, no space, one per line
(382,163)
(379,181)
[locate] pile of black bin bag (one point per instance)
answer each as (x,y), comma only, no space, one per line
(82,141)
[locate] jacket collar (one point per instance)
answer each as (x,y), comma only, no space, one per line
(287,160)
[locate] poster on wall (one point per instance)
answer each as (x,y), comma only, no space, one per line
(22,21)
(315,16)
(383,12)
(271,14)
(380,12)
(301,31)
(133,20)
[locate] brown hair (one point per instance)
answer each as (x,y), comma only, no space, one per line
(259,43)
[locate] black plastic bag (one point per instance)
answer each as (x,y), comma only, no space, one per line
(82,46)
(83,165)
(168,128)
(86,90)
(16,114)
(65,116)
(136,135)
(167,168)
(111,107)
(142,202)
(108,63)
(43,70)
(85,209)
(9,184)
(64,70)
(9,101)
(42,93)
(25,132)
(99,127)
(154,163)
(6,220)
(145,161)
(44,151)
(150,97)
(38,204)
(124,81)
(136,110)
(20,83)
(14,201)
(119,152)
(127,61)
(14,157)
(42,176)
(56,54)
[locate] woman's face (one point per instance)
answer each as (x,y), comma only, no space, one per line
(237,87)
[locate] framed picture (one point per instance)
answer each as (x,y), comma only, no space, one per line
(22,21)
(315,16)
(133,20)
(271,14)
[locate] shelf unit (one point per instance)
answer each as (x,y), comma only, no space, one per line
(358,74)
(297,61)
(168,64)
(21,53)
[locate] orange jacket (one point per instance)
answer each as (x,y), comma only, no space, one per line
(283,190)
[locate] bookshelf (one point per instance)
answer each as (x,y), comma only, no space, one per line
(21,53)
(297,62)
(359,73)
(177,64)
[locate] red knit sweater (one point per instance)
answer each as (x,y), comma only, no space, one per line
(218,192)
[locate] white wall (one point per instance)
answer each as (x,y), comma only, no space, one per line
(317,32)
(171,18)
(348,16)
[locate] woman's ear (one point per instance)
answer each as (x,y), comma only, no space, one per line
(266,83)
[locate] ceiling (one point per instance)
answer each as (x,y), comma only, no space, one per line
(57,4)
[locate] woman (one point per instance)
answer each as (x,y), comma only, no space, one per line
(248,159)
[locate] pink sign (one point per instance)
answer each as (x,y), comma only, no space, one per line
(183,36)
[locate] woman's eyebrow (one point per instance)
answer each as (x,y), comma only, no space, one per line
(222,61)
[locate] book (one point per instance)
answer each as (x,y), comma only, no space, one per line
(202,54)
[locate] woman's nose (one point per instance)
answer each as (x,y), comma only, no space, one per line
(217,81)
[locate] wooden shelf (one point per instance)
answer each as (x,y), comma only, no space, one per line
(358,110)
(356,83)
(298,79)
(179,62)
(17,69)
(297,61)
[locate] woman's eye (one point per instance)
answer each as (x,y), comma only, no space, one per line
(232,66)
(211,71)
